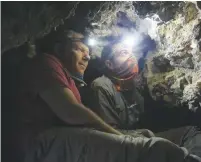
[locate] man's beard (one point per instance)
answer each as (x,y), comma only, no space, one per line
(126,70)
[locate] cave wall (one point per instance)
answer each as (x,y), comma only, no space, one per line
(174,73)
(172,70)
(27,21)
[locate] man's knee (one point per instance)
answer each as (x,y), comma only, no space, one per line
(146,133)
(174,135)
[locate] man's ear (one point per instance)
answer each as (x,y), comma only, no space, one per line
(109,64)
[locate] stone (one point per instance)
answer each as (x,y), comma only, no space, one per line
(199,4)
(183,62)
(170,80)
(192,96)
(162,64)
(190,12)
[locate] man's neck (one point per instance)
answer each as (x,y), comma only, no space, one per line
(123,84)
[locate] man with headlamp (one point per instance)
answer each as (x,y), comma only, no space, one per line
(117,99)
(49,95)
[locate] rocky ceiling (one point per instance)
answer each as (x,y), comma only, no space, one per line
(26,21)
(173,69)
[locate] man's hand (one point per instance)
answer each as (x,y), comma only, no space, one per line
(64,104)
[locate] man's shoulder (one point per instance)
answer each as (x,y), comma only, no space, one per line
(49,60)
(102,82)
(43,65)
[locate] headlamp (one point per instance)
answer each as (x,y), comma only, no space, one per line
(128,41)
(91,42)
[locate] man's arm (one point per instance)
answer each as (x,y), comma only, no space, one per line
(64,104)
(103,103)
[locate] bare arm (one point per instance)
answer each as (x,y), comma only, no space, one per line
(65,106)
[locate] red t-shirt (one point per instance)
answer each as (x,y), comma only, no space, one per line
(43,72)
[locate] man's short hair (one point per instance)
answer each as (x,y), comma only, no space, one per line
(55,38)
(65,39)
(69,36)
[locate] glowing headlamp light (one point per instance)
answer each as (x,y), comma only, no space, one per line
(92,42)
(128,41)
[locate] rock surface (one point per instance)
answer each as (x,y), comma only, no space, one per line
(26,21)
(180,44)
(168,35)
(174,69)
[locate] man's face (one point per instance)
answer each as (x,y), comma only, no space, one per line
(80,57)
(121,54)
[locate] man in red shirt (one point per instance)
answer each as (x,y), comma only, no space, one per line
(49,96)
(48,90)
(55,125)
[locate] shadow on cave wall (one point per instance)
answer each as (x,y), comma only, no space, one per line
(13,61)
